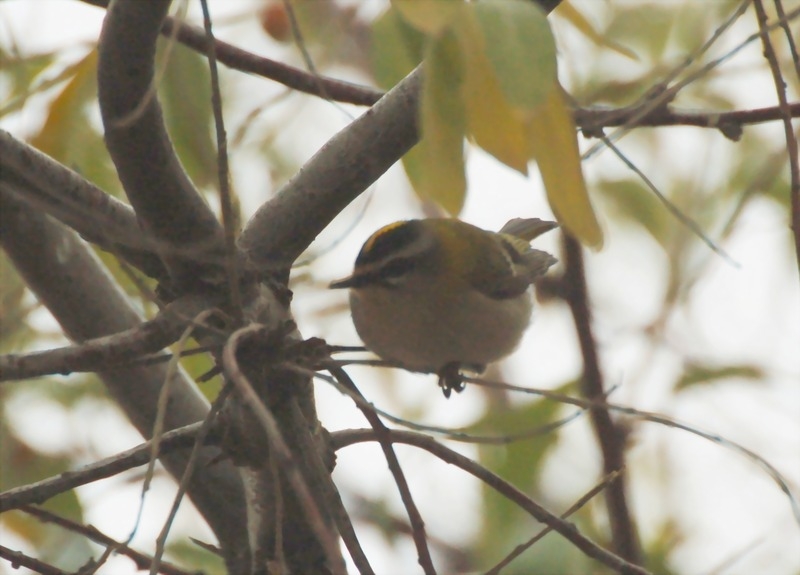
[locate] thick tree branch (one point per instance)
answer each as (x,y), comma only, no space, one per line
(67,277)
(312,505)
(47,185)
(345,166)
(159,190)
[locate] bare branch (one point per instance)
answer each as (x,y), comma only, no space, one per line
(19,559)
(522,547)
(162,194)
(107,351)
(68,278)
(567,530)
(47,185)
(223,175)
(414,516)
(141,560)
(610,435)
(786,117)
(41,491)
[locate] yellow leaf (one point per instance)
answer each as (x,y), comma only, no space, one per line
(431,17)
(66,111)
(553,142)
(441,149)
(492,122)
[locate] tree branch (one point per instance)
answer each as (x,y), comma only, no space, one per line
(141,560)
(47,185)
(786,117)
(69,279)
(107,351)
(19,559)
(159,190)
(610,436)
(41,491)
(567,530)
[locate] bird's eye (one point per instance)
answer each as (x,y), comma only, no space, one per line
(395,268)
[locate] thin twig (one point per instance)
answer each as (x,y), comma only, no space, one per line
(683,218)
(19,559)
(567,530)
(783,104)
(784,22)
(223,174)
(522,547)
(41,491)
(414,516)
(103,352)
(191,463)
(141,560)
(652,417)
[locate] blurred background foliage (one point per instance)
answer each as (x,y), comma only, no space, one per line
(660,345)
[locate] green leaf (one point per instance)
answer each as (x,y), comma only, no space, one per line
(633,202)
(432,17)
(519,462)
(521,48)
(397,49)
(553,141)
(442,115)
(699,374)
(185,95)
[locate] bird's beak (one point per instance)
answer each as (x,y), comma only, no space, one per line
(343,283)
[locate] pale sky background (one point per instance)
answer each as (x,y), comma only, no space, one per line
(723,503)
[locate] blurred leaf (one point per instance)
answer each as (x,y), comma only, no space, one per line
(185,94)
(68,134)
(19,74)
(521,48)
(431,17)
(66,114)
(193,557)
(397,48)
(519,463)
(20,464)
(572,15)
(553,141)
(492,123)
(699,374)
(441,149)
(15,331)
(633,202)
(646,32)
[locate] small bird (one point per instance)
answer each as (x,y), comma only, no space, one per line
(439,295)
